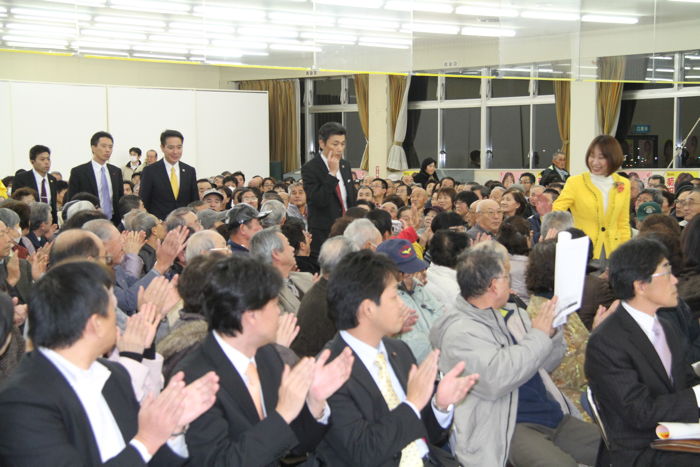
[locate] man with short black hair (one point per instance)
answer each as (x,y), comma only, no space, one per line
(635,360)
(134,165)
(657,181)
(264,411)
(99,178)
(328,184)
(169,183)
(527,180)
(203,185)
(389,413)
(39,178)
(66,405)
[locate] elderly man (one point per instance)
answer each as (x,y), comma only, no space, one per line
(363,234)
(515,413)
(270,246)
(68,406)
(276,213)
(297,202)
(316,326)
(154,231)
(543,206)
(183,217)
(214,199)
(555,222)
(15,273)
(203,242)
(636,360)
(125,249)
(41,227)
(555,173)
(488,219)
(243,222)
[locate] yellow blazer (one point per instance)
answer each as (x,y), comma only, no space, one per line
(606,228)
(3,190)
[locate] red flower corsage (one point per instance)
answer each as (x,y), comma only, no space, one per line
(619,186)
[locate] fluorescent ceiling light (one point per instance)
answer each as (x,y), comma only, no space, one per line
(265,31)
(22,28)
(488,32)
(295,47)
(352,3)
(486,11)
(609,19)
(92,44)
(34,45)
(236,44)
(238,14)
(178,39)
(215,52)
(301,19)
(516,69)
(385,40)
(160,56)
(92,3)
(159,48)
(429,7)
(383,46)
(369,24)
(550,15)
(692,57)
(130,20)
(658,79)
(52,14)
(661,57)
(202,26)
(329,37)
(685,1)
(661,70)
(431,28)
(147,5)
(135,36)
(35,40)
(222,63)
(692,77)
(103,52)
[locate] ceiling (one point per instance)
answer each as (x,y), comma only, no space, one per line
(361,35)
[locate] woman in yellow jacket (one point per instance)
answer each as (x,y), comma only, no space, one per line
(599,200)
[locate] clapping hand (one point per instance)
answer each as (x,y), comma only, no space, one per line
(421,381)
(287,330)
(545,317)
(453,387)
(328,378)
(603,313)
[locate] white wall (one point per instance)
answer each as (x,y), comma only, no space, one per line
(223,130)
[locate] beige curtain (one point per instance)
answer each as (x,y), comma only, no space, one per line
(398,108)
(562,104)
(611,72)
(284,119)
(362,93)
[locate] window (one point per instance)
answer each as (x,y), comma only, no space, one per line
(546,135)
(544,87)
(352,97)
(327,91)
(645,132)
(461,129)
(423,88)
(649,67)
(355,139)
(421,136)
(689,111)
(509,127)
(691,68)
(462,88)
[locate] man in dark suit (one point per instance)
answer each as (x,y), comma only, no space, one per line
(328,184)
(39,178)
(264,411)
(68,406)
(99,178)
(635,362)
(169,183)
(389,412)
(555,173)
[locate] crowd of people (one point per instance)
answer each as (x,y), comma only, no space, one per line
(151,316)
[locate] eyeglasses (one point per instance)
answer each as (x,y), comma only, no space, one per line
(107,259)
(686,202)
(667,271)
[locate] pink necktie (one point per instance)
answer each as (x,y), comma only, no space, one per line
(661,346)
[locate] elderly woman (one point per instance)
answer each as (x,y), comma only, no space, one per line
(155,232)
(599,199)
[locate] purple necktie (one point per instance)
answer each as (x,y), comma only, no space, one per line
(661,346)
(105,199)
(44,198)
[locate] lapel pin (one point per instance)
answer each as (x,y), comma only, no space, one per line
(393,354)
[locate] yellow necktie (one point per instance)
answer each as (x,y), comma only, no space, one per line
(410,456)
(254,388)
(174,184)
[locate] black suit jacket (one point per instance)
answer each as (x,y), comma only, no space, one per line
(364,431)
(23,288)
(156,193)
(316,328)
(550,175)
(82,179)
(631,386)
(44,422)
(26,179)
(230,433)
(321,197)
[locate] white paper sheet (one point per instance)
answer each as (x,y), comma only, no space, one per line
(569,275)
(672,430)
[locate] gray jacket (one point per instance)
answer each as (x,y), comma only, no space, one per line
(484,422)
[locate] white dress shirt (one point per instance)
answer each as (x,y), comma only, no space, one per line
(240,362)
(38,178)
(368,355)
(168,169)
(341,182)
(646,322)
(97,168)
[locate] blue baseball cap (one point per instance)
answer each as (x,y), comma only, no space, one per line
(403,255)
